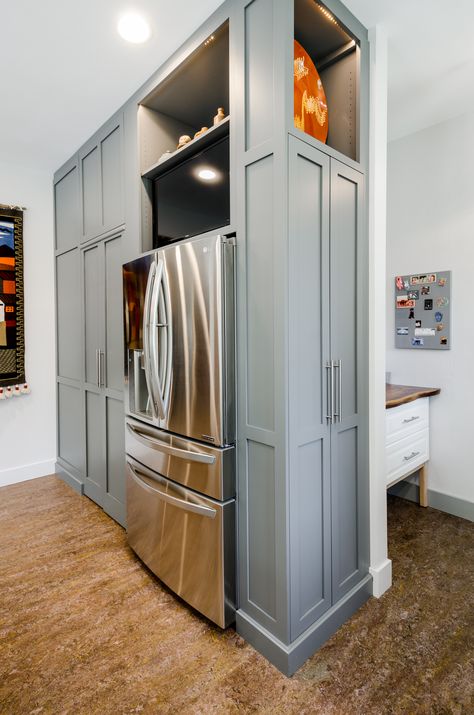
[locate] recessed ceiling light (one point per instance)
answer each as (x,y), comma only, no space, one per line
(207,174)
(133,28)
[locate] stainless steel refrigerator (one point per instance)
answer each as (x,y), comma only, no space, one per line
(180,419)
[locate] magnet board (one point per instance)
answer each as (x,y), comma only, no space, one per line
(423,311)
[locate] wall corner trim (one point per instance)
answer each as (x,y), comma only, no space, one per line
(382,577)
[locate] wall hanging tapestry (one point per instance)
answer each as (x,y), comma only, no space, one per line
(12,339)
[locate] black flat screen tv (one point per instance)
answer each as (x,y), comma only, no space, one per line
(193,197)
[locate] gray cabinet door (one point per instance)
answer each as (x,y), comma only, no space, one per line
(68,315)
(93,291)
(309,351)
(348,347)
(66,206)
(101,181)
(103,363)
(114,353)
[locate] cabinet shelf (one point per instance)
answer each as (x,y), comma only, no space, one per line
(193,147)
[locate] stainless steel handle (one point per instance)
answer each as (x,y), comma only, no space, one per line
(411,456)
(97,367)
(100,380)
(146,337)
(338,366)
(175,501)
(157,389)
(168,449)
(411,419)
(330,391)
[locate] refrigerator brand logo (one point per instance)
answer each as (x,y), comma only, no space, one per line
(208,438)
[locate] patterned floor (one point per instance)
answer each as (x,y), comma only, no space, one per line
(84,628)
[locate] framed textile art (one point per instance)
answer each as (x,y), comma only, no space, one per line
(12,340)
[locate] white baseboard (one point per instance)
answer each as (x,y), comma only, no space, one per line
(382,577)
(27,471)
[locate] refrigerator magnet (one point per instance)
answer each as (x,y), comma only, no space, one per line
(425,290)
(442,282)
(440,327)
(428,304)
(417,342)
(438,316)
(411,315)
(413,294)
(399,282)
(402,331)
(442,302)
(418,324)
(443,340)
(403,302)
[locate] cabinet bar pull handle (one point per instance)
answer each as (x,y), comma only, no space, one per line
(411,456)
(329,391)
(97,367)
(338,414)
(101,368)
(411,419)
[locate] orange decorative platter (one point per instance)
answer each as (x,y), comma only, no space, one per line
(310,105)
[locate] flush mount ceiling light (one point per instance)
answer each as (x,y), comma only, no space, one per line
(133,28)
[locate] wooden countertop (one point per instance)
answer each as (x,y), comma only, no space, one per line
(396,395)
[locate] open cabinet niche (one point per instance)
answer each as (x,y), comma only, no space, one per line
(185,102)
(335,53)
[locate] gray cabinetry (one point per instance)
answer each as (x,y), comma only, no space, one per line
(327,423)
(103,369)
(89,202)
(101,180)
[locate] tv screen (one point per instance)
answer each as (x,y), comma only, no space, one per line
(193,197)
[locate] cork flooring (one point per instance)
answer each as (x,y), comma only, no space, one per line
(84,628)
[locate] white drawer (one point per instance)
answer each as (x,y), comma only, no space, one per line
(407,454)
(406,419)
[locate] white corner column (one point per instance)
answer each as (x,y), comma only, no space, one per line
(380,565)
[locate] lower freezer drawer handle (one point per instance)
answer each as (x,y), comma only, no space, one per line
(175,501)
(168,449)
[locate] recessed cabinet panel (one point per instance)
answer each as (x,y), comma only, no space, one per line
(69,339)
(91,209)
(66,206)
(261,528)
(71,426)
(115,450)
(112,202)
(309,245)
(345,523)
(344,289)
(313,588)
(260,295)
(93,315)
(96,446)
(114,361)
(259,82)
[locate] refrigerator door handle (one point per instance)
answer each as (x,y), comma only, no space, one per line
(146,337)
(168,449)
(174,501)
(157,390)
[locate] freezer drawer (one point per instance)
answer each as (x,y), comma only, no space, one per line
(187,540)
(208,470)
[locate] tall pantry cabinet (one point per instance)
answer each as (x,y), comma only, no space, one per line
(90,233)
(298,209)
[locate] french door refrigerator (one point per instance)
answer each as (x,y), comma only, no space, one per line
(180,419)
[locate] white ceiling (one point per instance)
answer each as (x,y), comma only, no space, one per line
(65,69)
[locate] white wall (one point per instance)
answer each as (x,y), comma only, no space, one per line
(431,228)
(28,423)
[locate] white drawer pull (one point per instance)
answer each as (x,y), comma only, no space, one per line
(412,419)
(411,456)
